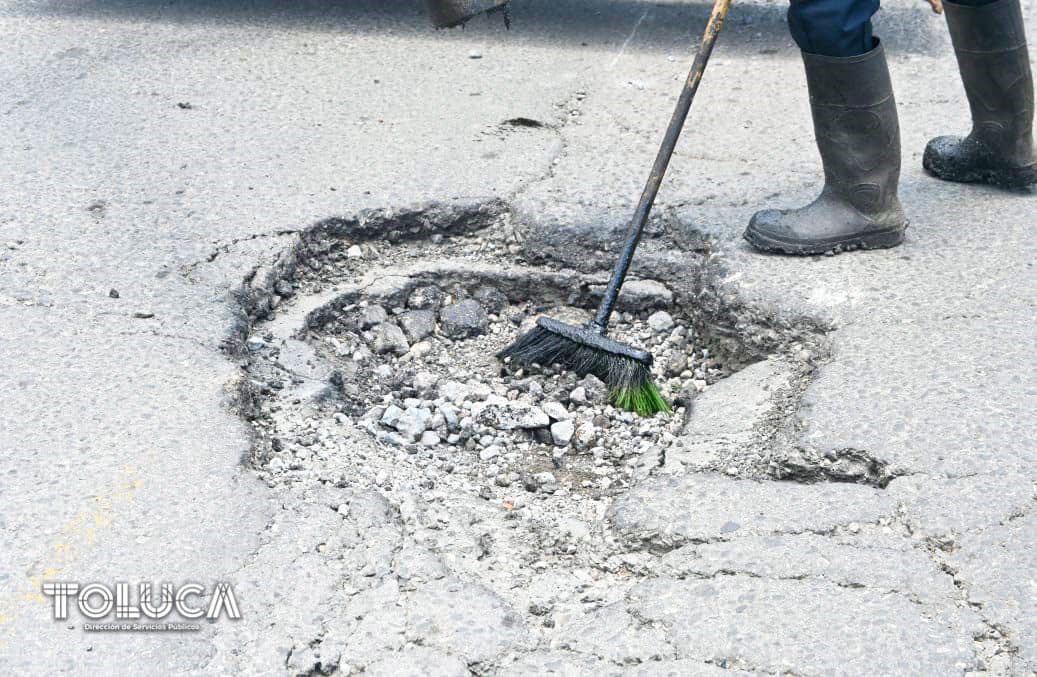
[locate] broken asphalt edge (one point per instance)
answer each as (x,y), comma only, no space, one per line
(685,261)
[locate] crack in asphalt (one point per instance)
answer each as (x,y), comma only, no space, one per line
(214,348)
(187,269)
(573,102)
(1002,634)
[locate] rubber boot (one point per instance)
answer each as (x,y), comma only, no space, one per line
(858,135)
(991,48)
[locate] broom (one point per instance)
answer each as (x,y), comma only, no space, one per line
(587,350)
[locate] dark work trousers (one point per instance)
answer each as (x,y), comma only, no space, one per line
(840,27)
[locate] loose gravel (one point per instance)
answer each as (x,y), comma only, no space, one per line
(420,376)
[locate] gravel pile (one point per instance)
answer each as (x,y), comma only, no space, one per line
(414,370)
(421,378)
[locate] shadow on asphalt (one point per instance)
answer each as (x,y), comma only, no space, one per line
(672,26)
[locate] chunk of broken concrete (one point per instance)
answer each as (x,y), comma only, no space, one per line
(389,338)
(426,298)
(562,432)
(503,414)
(417,324)
(372,316)
(463,319)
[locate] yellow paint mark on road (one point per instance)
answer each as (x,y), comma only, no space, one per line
(75,536)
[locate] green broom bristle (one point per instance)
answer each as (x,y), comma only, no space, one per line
(630,380)
(644,400)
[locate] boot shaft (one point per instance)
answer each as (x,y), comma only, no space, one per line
(990,46)
(858,135)
(856,127)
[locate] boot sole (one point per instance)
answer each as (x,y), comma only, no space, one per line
(879,239)
(1006,177)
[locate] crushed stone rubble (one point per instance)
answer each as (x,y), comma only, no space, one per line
(422,379)
(405,390)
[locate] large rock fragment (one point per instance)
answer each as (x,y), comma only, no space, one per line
(562,432)
(491,298)
(457,392)
(389,338)
(426,298)
(372,316)
(463,319)
(417,324)
(413,422)
(503,414)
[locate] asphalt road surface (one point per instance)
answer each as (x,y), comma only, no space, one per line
(154,153)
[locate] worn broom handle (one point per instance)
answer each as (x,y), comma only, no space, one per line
(662,160)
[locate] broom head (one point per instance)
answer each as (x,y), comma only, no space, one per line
(625,369)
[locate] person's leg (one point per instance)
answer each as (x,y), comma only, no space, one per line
(990,44)
(832,27)
(857,132)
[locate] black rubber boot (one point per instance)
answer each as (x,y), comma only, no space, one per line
(991,48)
(858,135)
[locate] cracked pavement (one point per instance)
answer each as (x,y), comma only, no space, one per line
(899,542)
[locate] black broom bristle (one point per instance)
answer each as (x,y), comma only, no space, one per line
(629,379)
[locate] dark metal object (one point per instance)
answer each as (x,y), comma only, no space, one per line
(662,161)
(450,13)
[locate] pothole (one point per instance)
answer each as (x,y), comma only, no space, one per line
(370,366)
(398,338)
